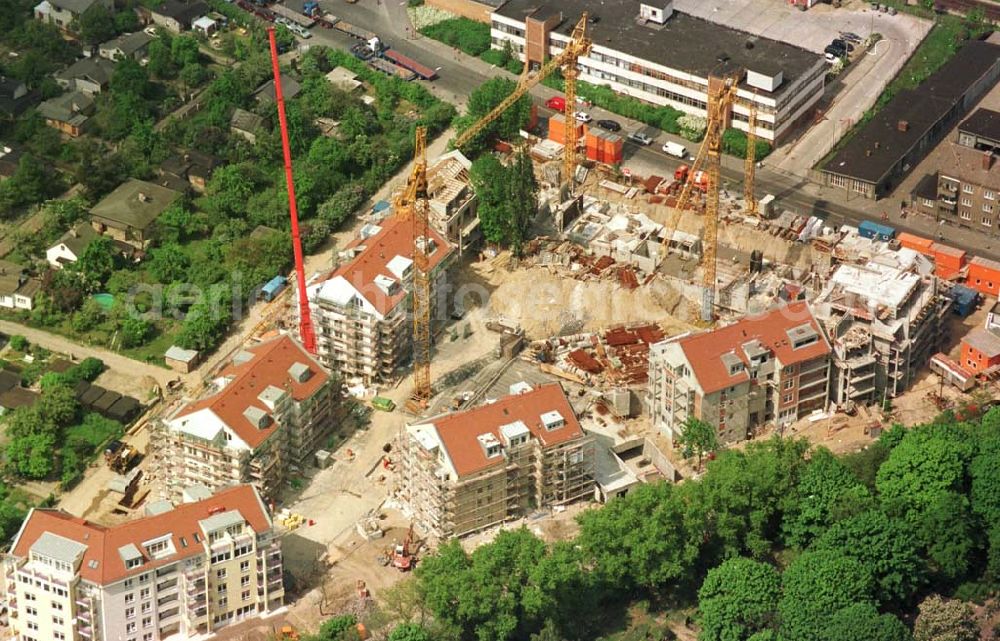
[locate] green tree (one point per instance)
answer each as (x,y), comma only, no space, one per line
(697,438)
(130,78)
(57,405)
(88,316)
(126,21)
(827,493)
(946,530)
(482,100)
(737,599)
(32,455)
(184,51)
(409,632)
(98,261)
(160,63)
(339,628)
(168,264)
(886,547)
(945,620)
(193,75)
(134,332)
(927,461)
(97,25)
(816,586)
(508,199)
(204,326)
(863,621)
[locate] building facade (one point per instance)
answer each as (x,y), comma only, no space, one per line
(773,368)
(649,51)
(453,202)
(361,310)
(470,470)
(885,319)
(178,572)
(266,412)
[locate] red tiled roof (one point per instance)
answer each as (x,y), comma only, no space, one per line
(394,239)
(458,431)
(704,351)
(269,366)
(103,542)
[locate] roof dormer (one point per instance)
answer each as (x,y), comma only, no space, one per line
(552,420)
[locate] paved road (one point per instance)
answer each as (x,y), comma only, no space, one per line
(61,344)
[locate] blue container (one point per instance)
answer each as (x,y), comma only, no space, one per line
(876,231)
(964,300)
(273,288)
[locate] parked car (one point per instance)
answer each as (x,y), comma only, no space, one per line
(640,138)
(834,52)
(850,36)
(583,116)
(609,125)
(556,102)
(843,44)
(675,149)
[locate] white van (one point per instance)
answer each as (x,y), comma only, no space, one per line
(675,149)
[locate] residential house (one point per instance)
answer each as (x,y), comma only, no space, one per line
(65,14)
(88,75)
(772,368)
(981,351)
(246,124)
(177,572)
(265,94)
(178,16)
(344,79)
(361,310)
(128,214)
(17,289)
(192,166)
(466,471)
(70,246)
(14,97)
(133,46)
(69,113)
(262,417)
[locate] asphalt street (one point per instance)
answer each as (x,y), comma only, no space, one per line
(458,75)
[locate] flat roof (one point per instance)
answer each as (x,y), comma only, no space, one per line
(881,144)
(984,123)
(685,43)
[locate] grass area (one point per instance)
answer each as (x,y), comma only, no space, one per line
(83,443)
(469,36)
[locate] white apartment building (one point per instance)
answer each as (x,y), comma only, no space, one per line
(178,572)
(267,411)
(649,51)
(361,310)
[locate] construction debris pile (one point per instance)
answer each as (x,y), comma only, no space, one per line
(615,357)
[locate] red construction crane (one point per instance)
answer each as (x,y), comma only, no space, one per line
(306,332)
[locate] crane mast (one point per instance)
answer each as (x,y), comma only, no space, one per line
(306,331)
(750,165)
(412,203)
(577,47)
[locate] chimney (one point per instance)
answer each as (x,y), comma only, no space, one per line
(143,198)
(902,126)
(876,144)
(987,160)
(868,152)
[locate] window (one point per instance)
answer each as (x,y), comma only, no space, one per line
(130,628)
(967,188)
(221,588)
(246,595)
(987,221)
(147,637)
(57,606)
(147,606)
(144,593)
(144,577)
(788,370)
(129,613)
(988,208)
(989,195)
(31,611)
(28,596)
(59,636)
(32,626)
(147,622)
(223,602)
(789,384)
(967,202)
(58,621)
(129,583)
(787,398)
(220,574)
(965,214)
(244,566)
(130,597)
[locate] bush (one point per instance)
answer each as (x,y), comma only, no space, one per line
(468,35)
(734,143)
(19,343)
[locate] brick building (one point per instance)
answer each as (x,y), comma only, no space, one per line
(470,470)
(178,572)
(770,368)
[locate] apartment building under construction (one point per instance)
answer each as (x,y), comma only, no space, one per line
(266,412)
(453,202)
(771,368)
(361,309)
(470,470)
(180,572)
(885,319)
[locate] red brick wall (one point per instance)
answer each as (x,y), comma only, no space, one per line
(465,8)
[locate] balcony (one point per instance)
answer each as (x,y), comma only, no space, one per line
(167,586)
(86,631)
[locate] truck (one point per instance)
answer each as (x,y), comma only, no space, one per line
(387,67)
(356,32)
(700,178)
(123,459)
(675,149)
(423,72)
(384,404)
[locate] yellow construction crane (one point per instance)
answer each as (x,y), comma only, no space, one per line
(412,203)
(749,200)
(721,95)
(578,46)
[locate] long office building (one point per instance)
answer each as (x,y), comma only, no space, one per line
(470,470)
(648,50)
(179,572)
(266,412)
(764,369)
